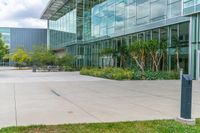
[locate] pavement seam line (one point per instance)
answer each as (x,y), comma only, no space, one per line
(15,102)
(55,93)
(66,99)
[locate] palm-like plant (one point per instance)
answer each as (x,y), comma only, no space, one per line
(156,51)
(138,53)
(123,54)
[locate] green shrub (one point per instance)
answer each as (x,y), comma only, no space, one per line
(122,74)
(109,73)
(152,75)
(138,75)
(168,75)
(67,68)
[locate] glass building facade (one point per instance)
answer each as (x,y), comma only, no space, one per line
(191,6)
(26,38)
(85,27)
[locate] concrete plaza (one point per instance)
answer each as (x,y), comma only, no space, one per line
(28,98)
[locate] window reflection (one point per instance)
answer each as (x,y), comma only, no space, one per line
(174,8)
(158,9)
(106,18)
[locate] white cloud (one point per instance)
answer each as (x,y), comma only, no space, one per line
(22,13)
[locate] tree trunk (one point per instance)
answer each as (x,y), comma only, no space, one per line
(177,59)
(141,66)
(163,63)
(109,64)
(120,62)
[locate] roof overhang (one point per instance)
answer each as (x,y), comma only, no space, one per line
(54,10)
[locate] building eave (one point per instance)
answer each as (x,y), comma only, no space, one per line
(52,8)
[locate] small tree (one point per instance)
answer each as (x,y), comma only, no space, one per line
(138,53)
(20,57)
(156,51)
(163,45)
(65,61)
(123,54)
(42,57)
(6,58)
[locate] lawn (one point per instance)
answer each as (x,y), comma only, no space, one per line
(158,126)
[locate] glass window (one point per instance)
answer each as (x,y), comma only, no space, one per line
(131,10)
(188,3)
(130,23)
(174,35)
(174,8)
(134,37)
(111,30)
(148,35)
(155,34)
(163,34)
(184,33)
(141,36)
(142,15)
(158,10)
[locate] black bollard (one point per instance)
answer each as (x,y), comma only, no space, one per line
(186,97)
(186,101)
(34,68)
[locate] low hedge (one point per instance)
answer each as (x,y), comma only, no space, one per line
(152,75)
(126,74)
(109,73)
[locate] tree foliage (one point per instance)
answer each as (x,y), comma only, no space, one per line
(137,52)
(20,57)
(42,57)
(123,54)
(66,60)
(3,48)
(157,52)
(148,54)
(107,52)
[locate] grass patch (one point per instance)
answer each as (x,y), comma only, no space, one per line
(158,126)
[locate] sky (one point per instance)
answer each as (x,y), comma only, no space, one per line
(22,13)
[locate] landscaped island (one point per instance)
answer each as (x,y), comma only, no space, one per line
(142,60)
(129,74)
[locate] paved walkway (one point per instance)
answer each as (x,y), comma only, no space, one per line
(28,98)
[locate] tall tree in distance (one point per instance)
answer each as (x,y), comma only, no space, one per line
(3,48)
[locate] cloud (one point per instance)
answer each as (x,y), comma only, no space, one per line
(22,13)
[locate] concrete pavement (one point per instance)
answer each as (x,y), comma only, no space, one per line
(28,98)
